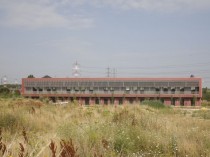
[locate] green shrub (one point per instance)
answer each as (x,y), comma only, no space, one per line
(11,122)
(4,90)
(205,103)
(106,113)
(154,103)
(66,130)
(205,114)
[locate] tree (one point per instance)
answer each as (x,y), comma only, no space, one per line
(16,93)
(4,90)
(31,76)
(206,94)
(205,90)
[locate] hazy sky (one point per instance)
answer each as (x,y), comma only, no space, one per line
(139,38)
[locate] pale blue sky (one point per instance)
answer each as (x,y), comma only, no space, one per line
(139,38)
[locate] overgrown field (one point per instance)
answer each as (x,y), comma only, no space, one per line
(33,128)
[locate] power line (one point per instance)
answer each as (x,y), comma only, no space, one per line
(95,72)
(164,72)
(147,73)
(197,69)
(154,67)
(167,66)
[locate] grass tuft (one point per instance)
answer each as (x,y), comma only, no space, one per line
(68,149)
(53,148)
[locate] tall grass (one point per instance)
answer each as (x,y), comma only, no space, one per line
(131,130)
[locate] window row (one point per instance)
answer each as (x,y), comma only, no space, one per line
(110,84)
(157,89)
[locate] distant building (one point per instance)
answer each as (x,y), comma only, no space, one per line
(171,91)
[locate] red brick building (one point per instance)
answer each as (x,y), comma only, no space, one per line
(171,91)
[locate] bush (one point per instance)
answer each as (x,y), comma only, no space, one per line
(66,131)
(154,103)
(206,94)
(205,103)
(4,90)
(203,113)
(10,122)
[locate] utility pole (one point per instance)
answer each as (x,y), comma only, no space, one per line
(5,80)
(114,72)
(76,70)
(108,72)
(16,82)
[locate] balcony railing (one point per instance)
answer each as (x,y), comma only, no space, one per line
(105,91)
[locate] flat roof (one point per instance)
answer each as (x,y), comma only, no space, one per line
(117,79)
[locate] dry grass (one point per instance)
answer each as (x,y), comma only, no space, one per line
(72,130)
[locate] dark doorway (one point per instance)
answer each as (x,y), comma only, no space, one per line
(112,100)
(105,101)
(182,102)
(130,100)
(162,100)
(173,100)
(120,101)
(97,101)
(87,101)
(53,99)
